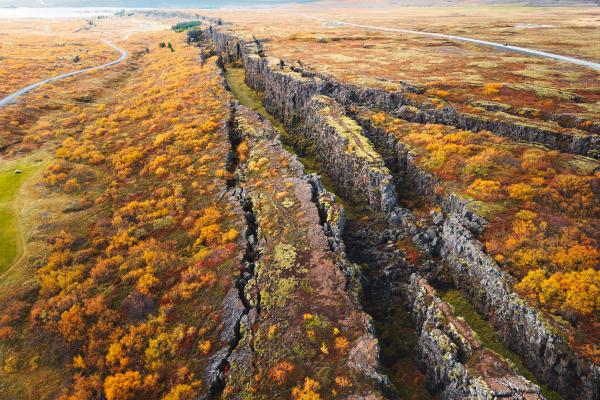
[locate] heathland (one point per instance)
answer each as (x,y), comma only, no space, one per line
(268,204)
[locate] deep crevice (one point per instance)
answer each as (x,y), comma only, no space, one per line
(249,259)
(375,277)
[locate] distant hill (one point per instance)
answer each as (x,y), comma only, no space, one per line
(145,3)
(242,3)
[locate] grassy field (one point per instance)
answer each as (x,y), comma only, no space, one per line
(11,243)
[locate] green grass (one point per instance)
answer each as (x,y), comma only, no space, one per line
(249,97)
(182,26)
(489,338)
(252,99)
(10,183)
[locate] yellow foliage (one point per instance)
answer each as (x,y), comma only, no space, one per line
(577,292)
(242,151)
(521,191)
(484,189)
(341,343)
(230,236)
(78,362)
(324,348)
(10,364)
(492,88)
(210,235)
(343,381)
(181,392)
(205,346)
(308,391)
(271,332)
(378,118)
(71,185)
(280,371)
(122,386)
(146,283)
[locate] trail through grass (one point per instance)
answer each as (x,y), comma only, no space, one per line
(11,243)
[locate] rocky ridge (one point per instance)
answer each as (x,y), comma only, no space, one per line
(340,144)
(464,368)
(522,328)
(293,258)
(301,85)
(289,94)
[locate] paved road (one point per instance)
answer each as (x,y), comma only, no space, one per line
(12,97)
(585,63)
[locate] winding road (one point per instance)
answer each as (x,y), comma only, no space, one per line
(585,63)
(13,96)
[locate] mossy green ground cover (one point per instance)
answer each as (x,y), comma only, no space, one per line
(488,337)
(10,183)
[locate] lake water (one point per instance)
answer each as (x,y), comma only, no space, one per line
(87,12)
(83,12)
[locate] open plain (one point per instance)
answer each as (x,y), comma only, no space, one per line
(307,201)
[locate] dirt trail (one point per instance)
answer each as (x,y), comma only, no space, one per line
(13,96)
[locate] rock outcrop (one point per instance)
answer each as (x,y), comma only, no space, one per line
(342,147)
(300,288)
(522,328)
(296,97)
(457,365)
(288,91)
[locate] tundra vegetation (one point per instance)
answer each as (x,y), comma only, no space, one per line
(542,207)
(124,301)
(474,79)
(159,240)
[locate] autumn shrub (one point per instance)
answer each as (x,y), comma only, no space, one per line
(542,205)
(128,293)
(492,88)
(484,189)
(575,292)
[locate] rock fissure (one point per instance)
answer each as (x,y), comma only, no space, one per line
(382,298)
(237,305)
(290,93)
(523,329)
(302,85)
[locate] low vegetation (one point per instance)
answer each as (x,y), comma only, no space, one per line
(184,26)
(12,177)
(542,206)
(159,240)
(127,304)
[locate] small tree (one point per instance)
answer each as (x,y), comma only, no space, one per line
(162,45)
(193,35)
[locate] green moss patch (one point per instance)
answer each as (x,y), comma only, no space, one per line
(488,337)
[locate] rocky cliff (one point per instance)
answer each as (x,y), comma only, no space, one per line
(457,365)
(288,90)
(341,146)
(522,328)
(296,97)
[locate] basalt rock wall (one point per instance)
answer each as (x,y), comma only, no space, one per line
(288,91)
(457,365)
(342,147)
(522,328)
(289,94)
